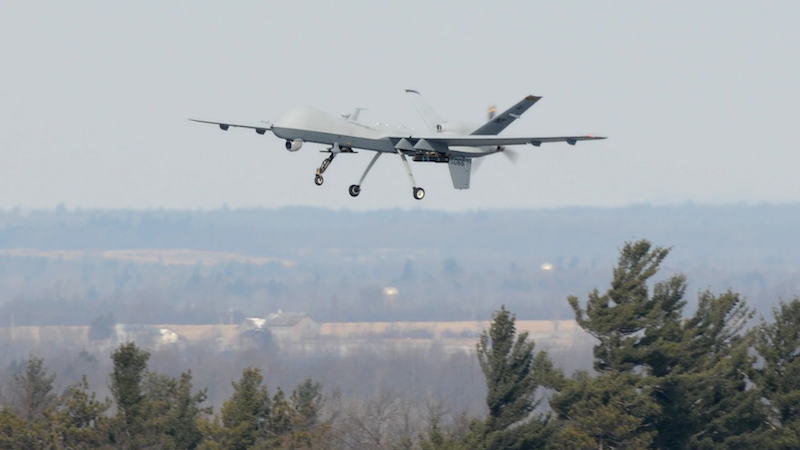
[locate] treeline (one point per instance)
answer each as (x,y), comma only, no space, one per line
(764,231)
(662,379)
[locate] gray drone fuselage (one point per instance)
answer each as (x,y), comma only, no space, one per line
(312,125)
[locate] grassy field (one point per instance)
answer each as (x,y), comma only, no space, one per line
(439,329)
(563,331)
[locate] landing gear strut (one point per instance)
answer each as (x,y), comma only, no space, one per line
(419,193)
(318,180)
(356,188)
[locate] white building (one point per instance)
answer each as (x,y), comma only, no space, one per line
(145,335)
(292,326)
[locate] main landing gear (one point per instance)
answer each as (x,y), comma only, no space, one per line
(318,180)
(419,193)
(356,188)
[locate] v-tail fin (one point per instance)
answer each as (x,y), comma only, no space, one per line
(498,123)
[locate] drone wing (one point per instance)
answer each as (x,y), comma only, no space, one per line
(260,129)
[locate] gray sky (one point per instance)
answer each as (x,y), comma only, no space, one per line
(700,100)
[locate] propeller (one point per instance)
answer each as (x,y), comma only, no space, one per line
(510,154)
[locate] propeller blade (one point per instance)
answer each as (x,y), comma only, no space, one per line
(512,155)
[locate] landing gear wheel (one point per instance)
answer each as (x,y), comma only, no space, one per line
(354,190)
(322,168)
(419,193)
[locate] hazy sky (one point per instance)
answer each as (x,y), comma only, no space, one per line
(700,100)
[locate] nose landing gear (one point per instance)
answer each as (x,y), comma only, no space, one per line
(318,180)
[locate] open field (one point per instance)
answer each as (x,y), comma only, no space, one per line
(440,329)
(562,332)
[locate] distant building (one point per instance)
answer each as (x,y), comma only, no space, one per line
(249,324)
(292,326)
(145,335)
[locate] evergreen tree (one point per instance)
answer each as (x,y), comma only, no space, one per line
(690,376)
(513,373)
(130,369)
(81,418)
(706,399)
(173,411)
(16,433)
(246,413)
(307,400)
(182,420)
(607,412)
(281,416)
(618,318)
(33,390)
(130,428)
(779,376)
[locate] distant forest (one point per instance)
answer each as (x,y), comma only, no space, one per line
(335,264)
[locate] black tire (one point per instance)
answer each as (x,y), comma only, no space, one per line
(318,180)
(419,193)
(354,190)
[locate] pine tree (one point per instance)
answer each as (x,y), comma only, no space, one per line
(689,376)
(779,376)
(182,419)
(513,373)
(618,318)
(130,369)
(626,321)
(606,412)
(137,423)
(307,400)
(706,399)
(246,413)
(33,391)
(81,418)
(16,433)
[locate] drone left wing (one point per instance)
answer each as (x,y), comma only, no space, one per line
(260,129)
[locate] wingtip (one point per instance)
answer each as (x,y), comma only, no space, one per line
(409,91)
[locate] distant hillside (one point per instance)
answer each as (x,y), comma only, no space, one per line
(722,234)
